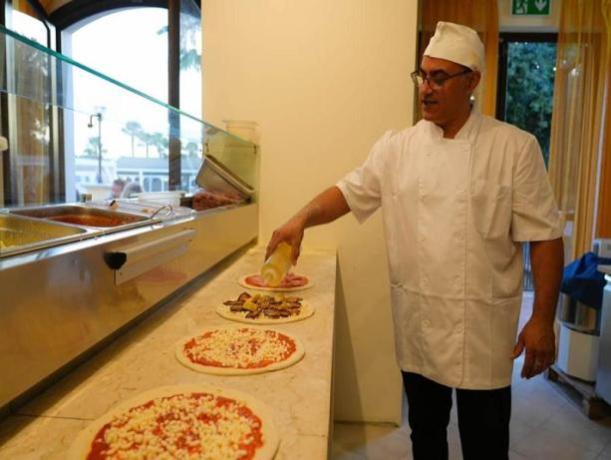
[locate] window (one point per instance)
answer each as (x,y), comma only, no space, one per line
(129,45)
(526,84)
(132,42)
(525,95)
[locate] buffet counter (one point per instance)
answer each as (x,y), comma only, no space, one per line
(143,358)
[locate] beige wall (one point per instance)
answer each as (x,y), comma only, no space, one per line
(510,23)
(324,79)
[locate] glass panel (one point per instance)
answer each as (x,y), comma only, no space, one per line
(190,58)
(531,68)
(28,26)
(128,44)
(113,113)
(190,77)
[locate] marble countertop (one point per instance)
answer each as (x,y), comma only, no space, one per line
(143,358)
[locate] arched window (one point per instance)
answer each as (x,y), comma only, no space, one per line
(153,46)
(140,44)
(138,27)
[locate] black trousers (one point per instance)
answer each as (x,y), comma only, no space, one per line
(483,420)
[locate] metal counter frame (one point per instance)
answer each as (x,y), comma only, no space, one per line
(59,302)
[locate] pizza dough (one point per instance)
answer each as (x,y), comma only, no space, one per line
(239,350)
(225,311)
(243,282)
(218,423)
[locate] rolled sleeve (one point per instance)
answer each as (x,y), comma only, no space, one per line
(362,187)
(535,215)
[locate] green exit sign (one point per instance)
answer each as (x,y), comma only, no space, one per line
(530,7)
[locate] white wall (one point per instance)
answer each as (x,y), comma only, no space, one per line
(324,79)
(511,23)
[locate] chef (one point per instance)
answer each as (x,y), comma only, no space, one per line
(460,194)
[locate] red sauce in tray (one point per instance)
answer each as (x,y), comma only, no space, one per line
(91,220)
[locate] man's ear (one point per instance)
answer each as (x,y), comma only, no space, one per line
(474,79)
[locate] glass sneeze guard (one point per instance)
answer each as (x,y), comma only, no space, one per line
(73,130)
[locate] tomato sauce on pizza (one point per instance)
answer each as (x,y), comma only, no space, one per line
(289,281)
(182,425)
(244,348)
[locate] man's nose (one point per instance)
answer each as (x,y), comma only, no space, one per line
(425,88)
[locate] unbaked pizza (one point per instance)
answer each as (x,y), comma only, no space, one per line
(265,309)
(184,421)
(291,282)
(239,350)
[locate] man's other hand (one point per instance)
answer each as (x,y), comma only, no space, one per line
(538,339)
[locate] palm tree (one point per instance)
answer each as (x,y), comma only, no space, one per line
(192,149)
(92,149)
(148,140)
(189,36)
(132,129)
(161,143)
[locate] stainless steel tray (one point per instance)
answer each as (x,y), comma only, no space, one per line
(19,234)
(215,177)
(82,216)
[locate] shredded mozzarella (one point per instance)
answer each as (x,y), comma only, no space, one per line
(182,426)
(239,348)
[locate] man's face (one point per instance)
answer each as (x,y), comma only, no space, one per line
(116,190)
(443,103)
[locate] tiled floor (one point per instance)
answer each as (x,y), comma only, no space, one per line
(546,424)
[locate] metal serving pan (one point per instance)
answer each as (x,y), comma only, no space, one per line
(214,176)
(19,234)
(81,215)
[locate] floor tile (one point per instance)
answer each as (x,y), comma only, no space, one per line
(550,444)
(605,454)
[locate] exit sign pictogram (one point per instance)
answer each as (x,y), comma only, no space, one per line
(530,7)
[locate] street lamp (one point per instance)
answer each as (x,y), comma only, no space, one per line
(98,115)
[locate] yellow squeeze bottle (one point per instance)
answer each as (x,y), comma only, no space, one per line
(277,265)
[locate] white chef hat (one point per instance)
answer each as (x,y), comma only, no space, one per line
(457,43)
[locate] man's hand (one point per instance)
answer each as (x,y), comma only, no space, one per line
(291,233)
(326,207)
(538,339)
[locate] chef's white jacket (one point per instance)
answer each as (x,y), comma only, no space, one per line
(456,212)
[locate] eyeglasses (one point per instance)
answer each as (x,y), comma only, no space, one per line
(434,81)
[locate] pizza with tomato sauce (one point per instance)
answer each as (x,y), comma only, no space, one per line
(239,350)
(291,282)
(183,421)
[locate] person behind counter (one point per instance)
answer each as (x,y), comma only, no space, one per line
(460,192)
(124,189)
(117,188)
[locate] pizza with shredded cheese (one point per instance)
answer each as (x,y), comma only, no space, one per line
(182,422)
(239,350)
(290,282)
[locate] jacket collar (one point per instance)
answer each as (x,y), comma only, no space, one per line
(468,132)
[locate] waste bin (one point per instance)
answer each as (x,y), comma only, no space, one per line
(579,316)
